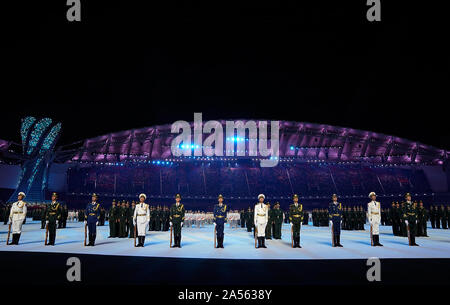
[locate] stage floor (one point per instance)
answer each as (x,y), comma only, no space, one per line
(239,244)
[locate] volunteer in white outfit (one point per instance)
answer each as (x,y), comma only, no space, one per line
(17,217)
(260,219)
(374,215)
(141,218)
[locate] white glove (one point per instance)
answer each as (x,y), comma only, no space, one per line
(96,223)
(406,222)
(134,222)
(214,224)
(171,224)
(331,223)
(85,222)
(57,222)
(182,223)
(290,224)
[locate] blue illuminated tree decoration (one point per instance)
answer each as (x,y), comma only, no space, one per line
(38,141)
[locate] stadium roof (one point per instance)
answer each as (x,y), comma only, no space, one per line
(298,140)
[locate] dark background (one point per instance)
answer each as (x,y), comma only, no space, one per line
(127,65)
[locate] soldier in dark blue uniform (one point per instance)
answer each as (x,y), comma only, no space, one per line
(335,216)
(93,215)
(220,218)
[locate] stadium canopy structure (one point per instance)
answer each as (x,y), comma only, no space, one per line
(298,141)
(314,160)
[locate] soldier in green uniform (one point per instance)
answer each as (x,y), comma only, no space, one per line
(123,220)
(42,213)
(269,222)
(158,221)
(277,216)
(130,219)
(166,218)
(410,219)
(65,215)
(52,218)
(344,218)
(249,219)
(151,225)
(111,220)
(176,218)
(422,215)
(242,218)
(295,219)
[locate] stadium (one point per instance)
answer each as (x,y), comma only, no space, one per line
(314,161)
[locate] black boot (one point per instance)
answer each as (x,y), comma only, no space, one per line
(143,241)
(377,241)
(13,240)
(298,242)
(259,242)
(338,240)
(263,241)
(17,238)
(413,239)
(334,241)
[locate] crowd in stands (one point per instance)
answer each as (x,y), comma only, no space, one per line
(241,181)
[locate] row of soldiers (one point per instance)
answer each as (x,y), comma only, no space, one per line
(437,215)
(120,217)
(275,217)
(353,218)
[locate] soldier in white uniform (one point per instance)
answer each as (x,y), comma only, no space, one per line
(17,216)
(141,219)
(260,220)
(374,216)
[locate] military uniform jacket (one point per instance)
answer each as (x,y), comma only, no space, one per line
(373,211)
(261,213)
(296,213)
(409,212)
(335,210)
(277,215)
(93,212)
(53,211)
(18,211)
(177,213)
(141,213)
(220,213)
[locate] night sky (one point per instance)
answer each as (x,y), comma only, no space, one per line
(128,66)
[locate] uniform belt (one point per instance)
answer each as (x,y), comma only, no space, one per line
(176,215)
(297,215)
(141,214)
(92,214)
(374,213)
(335,214)
(411,213)
(261,214)
(18,213)
(219,216)
(52,213)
